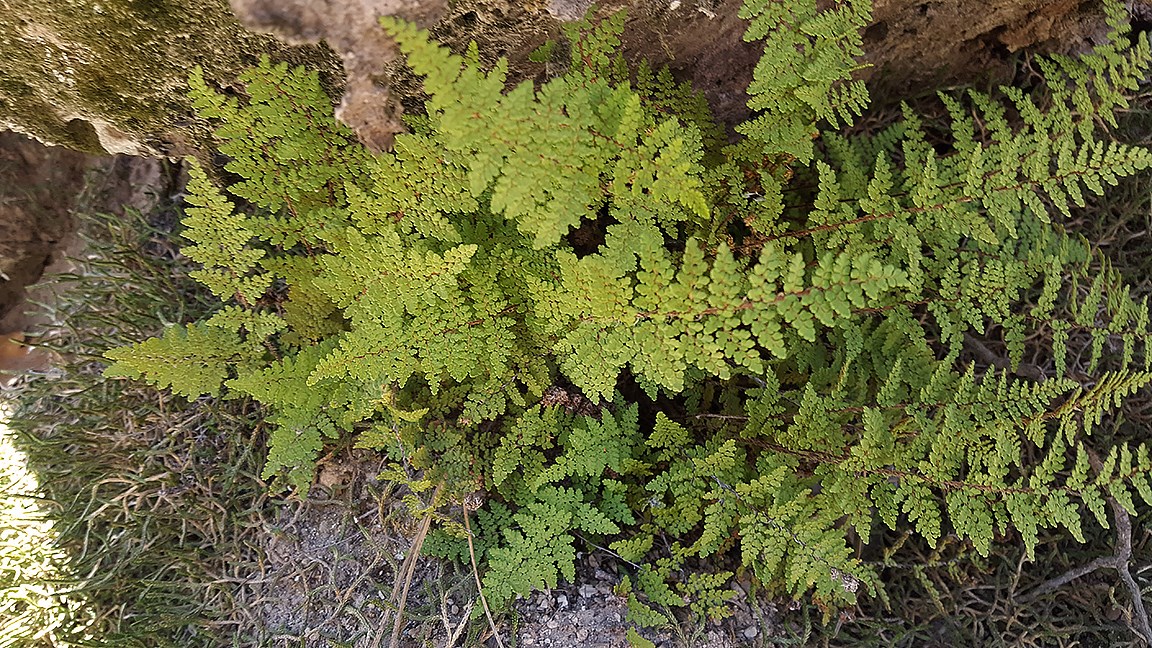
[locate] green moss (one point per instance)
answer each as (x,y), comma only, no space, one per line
(123,63)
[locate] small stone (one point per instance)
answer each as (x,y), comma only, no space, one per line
(562,601)
(582,634)
(750,632)
(587,591)
(553,624)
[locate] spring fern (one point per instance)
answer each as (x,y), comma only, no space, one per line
(578,299)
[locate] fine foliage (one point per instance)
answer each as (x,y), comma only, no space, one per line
(577,299)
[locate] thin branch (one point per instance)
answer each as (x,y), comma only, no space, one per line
(1056,583)
(400,588)
(1119,561)
(476,574)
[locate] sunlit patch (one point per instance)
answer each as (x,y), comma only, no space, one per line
(35,604)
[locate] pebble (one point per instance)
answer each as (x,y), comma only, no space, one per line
(562,601)
(750,632)
(587,591)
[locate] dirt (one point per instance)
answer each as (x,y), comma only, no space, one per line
(589,614)
(331,562)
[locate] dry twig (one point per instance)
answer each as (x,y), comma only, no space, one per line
(400,589)
(476,573)
(1118,560)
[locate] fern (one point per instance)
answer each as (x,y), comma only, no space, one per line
(579,299)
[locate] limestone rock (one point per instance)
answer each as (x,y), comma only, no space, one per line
(108,76)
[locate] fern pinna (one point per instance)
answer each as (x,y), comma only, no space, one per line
(578,299)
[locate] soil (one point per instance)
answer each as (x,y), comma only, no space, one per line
(330,563)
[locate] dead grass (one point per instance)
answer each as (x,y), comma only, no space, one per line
(170,535)
(147,493)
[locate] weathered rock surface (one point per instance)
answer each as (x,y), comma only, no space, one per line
(109,76)
(40,188)
(350,28)
(38,185)
(918,45)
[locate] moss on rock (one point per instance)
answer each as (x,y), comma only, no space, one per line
(109,76)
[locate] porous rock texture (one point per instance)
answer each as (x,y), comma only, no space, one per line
(350,28)
(922,45)
(108,76)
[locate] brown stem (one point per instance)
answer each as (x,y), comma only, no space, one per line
(1119,560)
(476,574)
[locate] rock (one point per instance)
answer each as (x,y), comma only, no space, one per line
(40,186)
(109,76)
(918,43)
(351,28)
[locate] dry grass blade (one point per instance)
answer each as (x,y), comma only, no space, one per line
(150,499)
(476,574)
(399,598)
